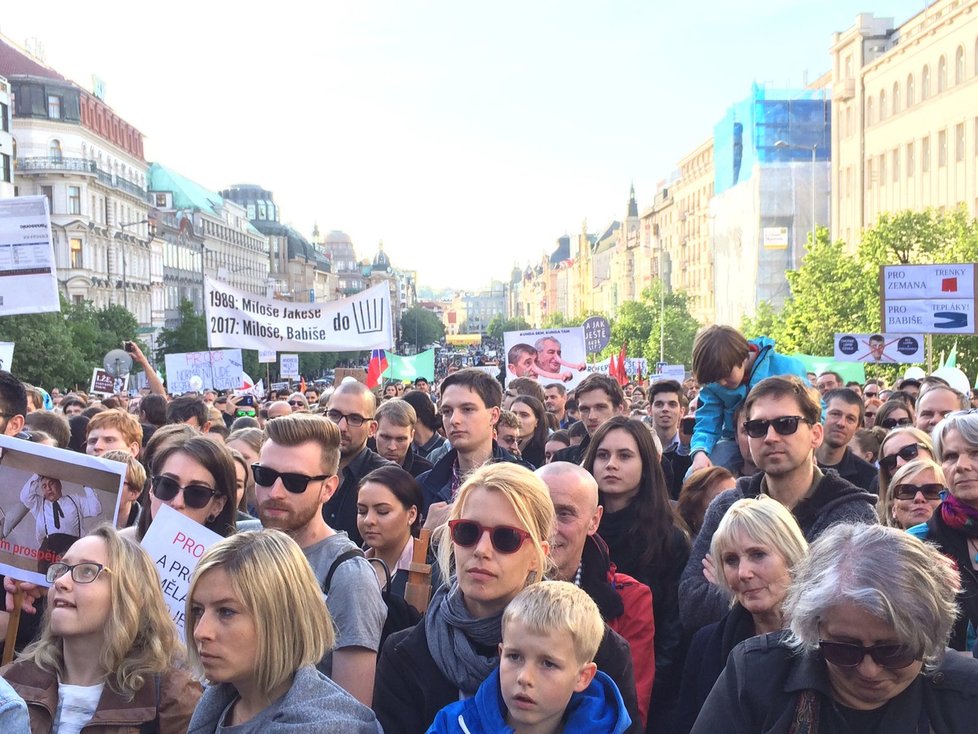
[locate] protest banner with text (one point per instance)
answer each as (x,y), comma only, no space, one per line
(219,369)
(236,318)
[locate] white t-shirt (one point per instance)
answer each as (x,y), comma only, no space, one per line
(76,706)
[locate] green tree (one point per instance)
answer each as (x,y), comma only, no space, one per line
(637,324)
(421,327)
(96,331)
(498,326)
(44,353)
(190,335)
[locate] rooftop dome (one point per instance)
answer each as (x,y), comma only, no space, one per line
(381,261)
(336,237)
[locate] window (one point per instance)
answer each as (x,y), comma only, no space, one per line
(896,97)
(48,191)
(942,148)
(75,250)
(74,200)
(910,99)
(925,154)
(882,104)
(5,167)
(895,164)
(870,177)
(869,111)
(4,119)
(959,142)
(54,107)
(941,75)
(925,83)
(54,150)
(959,65)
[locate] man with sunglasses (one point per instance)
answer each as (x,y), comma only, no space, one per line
(294,478)
(843,417)
(782,423)
(352,408)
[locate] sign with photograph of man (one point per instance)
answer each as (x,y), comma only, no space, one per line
(49,498)
(546,355)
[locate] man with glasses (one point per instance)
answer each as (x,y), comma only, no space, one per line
(352,409)
(871,390)
(782,423)
(843,417)
(294,477)
(298,403)
(13,404)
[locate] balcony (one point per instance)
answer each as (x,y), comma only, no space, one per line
(63,165)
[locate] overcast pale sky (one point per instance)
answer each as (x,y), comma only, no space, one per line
(467,136)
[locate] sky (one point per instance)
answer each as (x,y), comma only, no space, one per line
(467,137)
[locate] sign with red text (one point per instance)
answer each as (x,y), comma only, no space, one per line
(928,299)
(176,543)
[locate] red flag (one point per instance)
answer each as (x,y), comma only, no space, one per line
(377,367)
(302,385)
(612,369)
(622,374)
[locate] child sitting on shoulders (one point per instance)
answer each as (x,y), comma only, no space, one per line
(546,681)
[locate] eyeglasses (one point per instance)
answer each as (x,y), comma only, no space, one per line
(783,426)
(890,423)
(81,573)
(294,483)
(352,419)
(296,402)
(195,496)
(870,394)
(907,453)
(933,491)
(505,539)
(846,655)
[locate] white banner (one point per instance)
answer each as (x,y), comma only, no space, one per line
(633,365)
(220,369)
(289,365)
(176,543)
(6,355)
(236,318)
(28,279)
(266,356)
(880,348)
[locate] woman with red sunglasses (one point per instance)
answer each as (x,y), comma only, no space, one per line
(870,613)
(495,544)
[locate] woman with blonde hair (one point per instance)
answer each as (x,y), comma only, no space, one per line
(108,655)
(900,446)
(913,494)
(755,550)
(257,624)
(495,543)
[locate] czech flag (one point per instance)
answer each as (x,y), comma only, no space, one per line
(377,367)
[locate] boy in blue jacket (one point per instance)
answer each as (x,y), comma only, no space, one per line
(546,681)
(727,366)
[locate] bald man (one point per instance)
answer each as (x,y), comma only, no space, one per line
(278,409)
(581,557)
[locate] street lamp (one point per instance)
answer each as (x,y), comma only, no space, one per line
(125,288)
(781,145)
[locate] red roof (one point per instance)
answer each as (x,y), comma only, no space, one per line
(13,62)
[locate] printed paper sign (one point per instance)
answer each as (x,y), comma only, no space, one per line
(929,316)
(28,279)
(176,543)
(266,356)
(220,369)
(546,355)
(880,348)
(105,384)
(633,365)
(49,498)
(928,299)
(236,318)
(903,282)
(289,365)
(6,355)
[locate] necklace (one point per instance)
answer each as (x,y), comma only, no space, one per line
(580,567)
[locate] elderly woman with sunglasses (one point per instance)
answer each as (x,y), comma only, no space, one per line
(915,491)
(869,614)
(496,543)
(953,527)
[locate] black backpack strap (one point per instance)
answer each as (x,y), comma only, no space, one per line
(344,556)
(387,572)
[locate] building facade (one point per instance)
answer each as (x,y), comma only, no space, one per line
(6,142)
(904,116)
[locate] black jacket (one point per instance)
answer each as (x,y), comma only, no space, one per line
(415,464)
(341,509)
(855,470)
(835,500)
(574,454)
(758,691)
(954,544)
(409,688)
(437,482)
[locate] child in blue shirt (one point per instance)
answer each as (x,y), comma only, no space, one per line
(546,681)
(727,366)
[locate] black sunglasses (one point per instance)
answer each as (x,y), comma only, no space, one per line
(932,491)
(504,538)
(907,453)
(294,483)
(195,496)
(296,402)
(783,426)
(891,423)
(846,655)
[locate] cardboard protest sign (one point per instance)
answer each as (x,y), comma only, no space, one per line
(28,279)
(49,498)
(221,369)
(176,543)
(236,318)
(546,355)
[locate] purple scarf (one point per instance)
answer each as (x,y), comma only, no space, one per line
(959,516)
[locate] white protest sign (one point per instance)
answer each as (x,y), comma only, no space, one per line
(928,299)
(930,316)
(220,369)
(176,543)
(266,356)
(289,365)
(880,348)
(6,355)
(236,318)
(28,279)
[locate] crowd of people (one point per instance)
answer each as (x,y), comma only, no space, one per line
(755,549)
